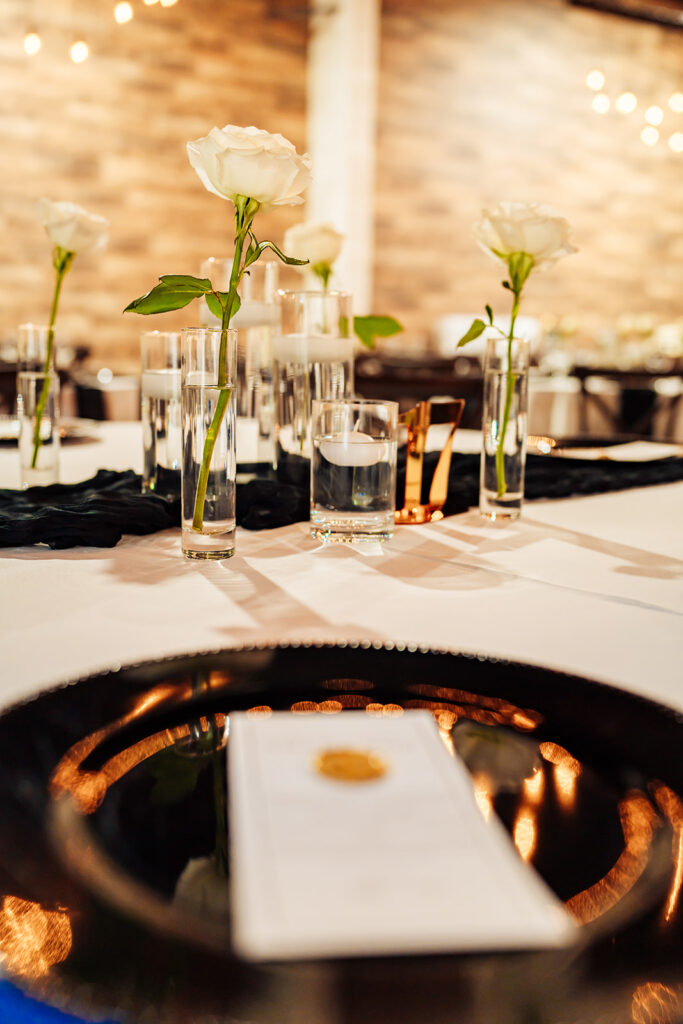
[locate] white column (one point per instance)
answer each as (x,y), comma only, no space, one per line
(343,60)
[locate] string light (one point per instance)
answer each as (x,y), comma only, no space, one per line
(123,12)
(79,52)
(676,142)
(150,2)
(654,115)
(32,43)
(676,102)
(595,80)
(650,136)
(168,3)
(601,103)
(626,103)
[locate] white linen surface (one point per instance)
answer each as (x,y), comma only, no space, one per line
(589,585)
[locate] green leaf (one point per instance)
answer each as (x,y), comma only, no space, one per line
(216,301)
(289,260)
(477,327)
(489,313)
(173,292)
(367,328)
(214,304)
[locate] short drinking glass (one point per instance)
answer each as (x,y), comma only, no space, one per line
(353,469)
(160,411)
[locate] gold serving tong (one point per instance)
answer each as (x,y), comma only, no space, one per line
(418,422)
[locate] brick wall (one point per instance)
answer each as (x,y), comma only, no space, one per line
(482,100)
(110,135)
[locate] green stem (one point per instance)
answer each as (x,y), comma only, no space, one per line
(61,266)
(245,211)
(501,485)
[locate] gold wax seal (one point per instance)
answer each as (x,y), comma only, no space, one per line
(348,765)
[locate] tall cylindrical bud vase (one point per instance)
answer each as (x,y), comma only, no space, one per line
(37,406)
(256,323)
(312,358)
(503,457)
(208,463)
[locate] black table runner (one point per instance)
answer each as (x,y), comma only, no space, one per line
(99,511)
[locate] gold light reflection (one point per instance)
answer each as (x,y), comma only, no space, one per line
(654,115)
(32,43)
(304,707)
(483,794)
(595,80)
(600,103)
(88,788)
(671,806)
(676,102)
(261,710)
(626,103)
(654,1003)
(676,142)
(533,788)
(650,136)
(329,707)
(638,822)
(524,832)
(79,52)
(387,710)
(565,777)
(32,939)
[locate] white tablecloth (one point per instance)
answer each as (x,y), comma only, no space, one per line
(589,585)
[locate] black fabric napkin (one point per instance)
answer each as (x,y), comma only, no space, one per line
(93,513)
(99,511)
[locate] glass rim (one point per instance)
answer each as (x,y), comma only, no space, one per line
(184,331)
(30,326)
(389,402)
(318,292)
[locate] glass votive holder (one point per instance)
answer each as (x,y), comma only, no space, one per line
(353,469)
(161,412)
(37,405)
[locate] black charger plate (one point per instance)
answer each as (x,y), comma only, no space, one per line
(109,790)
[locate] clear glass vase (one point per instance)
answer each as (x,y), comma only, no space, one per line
(209,461)
(37,406)
(312,359)
(256,322)
(503,457)
(160,412)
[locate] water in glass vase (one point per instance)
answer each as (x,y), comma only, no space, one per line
(305,368)
(44,469)
(214,534)
(502,471)
(353,487)
(161,431)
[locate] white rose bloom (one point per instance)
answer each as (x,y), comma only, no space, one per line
(532,228)
(71,227)
(234,161)
(317,243)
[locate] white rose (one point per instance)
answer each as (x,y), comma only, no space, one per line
(71,227)
(317,243)
(523,227)
(234,161)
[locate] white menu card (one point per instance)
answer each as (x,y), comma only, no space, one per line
(401,861)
